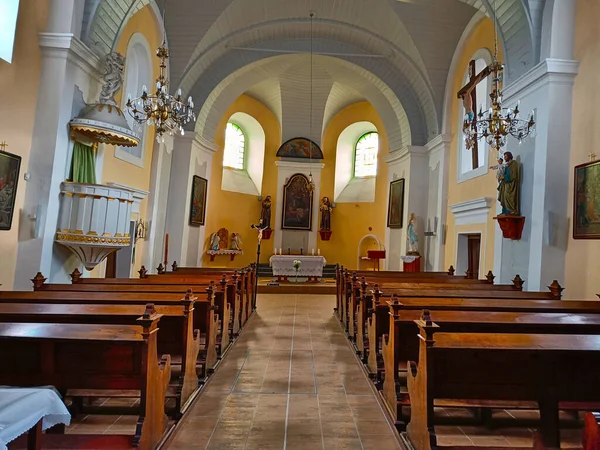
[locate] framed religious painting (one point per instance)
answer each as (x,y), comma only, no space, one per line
(396,204)
(297,204)
(198,201)
(9,178)
(586,202)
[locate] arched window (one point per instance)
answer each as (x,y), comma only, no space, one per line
(138,73)
(235,147)
(365,155)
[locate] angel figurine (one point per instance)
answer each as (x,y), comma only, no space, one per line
(236,241)
(214,241)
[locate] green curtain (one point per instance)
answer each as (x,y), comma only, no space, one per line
(83,167)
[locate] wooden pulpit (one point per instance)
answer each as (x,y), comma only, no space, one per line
(375,256)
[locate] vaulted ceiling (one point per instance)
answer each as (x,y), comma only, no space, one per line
(394,53)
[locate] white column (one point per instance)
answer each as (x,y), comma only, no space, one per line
(438,151)
(63,56)
(410,163)
(539,257)
(192,155)
(285,169)
(157,203)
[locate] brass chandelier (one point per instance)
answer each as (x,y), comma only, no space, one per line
(497,123)
(169,113)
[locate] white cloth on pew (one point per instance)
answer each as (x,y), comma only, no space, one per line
(22,408)
(312,266)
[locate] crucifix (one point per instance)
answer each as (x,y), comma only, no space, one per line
(468,94)
(3,146)
(592,156)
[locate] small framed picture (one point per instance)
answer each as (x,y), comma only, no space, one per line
(396,204)
(9,178)
(586,202)
(198,201)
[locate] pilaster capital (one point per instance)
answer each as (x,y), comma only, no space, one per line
(69,47)
(549,71)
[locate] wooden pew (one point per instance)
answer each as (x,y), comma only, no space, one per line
(591,434)
(546,369)
(176,337)
(231,283)
(227,292)
(402,344)
(73,356)
(203,314)
(378,323)
(361,303)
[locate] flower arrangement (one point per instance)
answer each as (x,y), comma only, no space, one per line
(297,264)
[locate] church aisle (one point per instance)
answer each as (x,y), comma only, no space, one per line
(289,382)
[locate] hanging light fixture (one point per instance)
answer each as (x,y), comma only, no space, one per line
(311,183)
(165,111)
(497,123)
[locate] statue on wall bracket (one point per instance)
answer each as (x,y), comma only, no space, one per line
(326,210)
(509,195)
(265,217)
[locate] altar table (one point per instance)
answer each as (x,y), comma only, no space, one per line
(22,409)
(311,267)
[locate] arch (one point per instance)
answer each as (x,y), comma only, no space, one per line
(346,187)
(249,179)
(138,73)
(368,236)
(218,88)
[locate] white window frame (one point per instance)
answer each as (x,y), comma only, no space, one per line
(484,150)
(244,152)
(9,12)
(355,155)
(142,64)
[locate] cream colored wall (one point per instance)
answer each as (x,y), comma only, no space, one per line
(117,170)
(483,186)
(583,256)
(236,211)
(19,83)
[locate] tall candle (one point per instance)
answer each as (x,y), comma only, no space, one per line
(319,251)
(280,251)
(166,249)
(313,252)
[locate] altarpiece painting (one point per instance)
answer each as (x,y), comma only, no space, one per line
(297,204)
(9,177)
(587,201)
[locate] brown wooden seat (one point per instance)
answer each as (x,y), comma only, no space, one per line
(74,356)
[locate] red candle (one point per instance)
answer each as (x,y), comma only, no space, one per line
(166,249)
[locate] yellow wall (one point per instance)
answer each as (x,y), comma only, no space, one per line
(117,170)
(483,186)
(366,218)
(236,211)
(19,83)
(583,256)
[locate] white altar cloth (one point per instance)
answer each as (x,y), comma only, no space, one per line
(283,265)
(22,408)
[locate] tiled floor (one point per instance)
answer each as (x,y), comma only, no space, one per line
(289,382)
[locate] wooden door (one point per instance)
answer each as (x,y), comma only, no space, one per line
(474,248)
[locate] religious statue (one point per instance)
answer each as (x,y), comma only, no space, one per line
(412,239)
(325,214)
(113,78)
(509,186)
(214,241)
(236,241)
(223,235)
(265,214)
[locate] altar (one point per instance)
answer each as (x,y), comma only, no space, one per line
(311,267)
